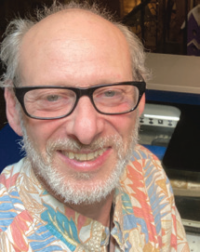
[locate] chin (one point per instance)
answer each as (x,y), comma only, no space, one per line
(82,187)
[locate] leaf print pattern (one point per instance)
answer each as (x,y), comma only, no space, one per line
(145,217)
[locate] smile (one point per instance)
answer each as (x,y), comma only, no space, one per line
(84,156)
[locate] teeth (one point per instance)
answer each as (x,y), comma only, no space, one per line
(90,156)
(83,156)
(71,155)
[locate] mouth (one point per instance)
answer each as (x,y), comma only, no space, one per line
(82,157)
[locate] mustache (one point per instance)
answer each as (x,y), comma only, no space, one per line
(74,144)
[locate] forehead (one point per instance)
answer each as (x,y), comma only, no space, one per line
(73,43)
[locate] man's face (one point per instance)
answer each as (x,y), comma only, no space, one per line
(83,154)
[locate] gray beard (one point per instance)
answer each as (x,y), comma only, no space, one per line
(61,185)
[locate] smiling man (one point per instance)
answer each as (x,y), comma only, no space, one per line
(74,90)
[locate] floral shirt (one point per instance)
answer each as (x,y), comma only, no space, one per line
(145,218)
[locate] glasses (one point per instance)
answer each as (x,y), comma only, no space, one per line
(52,102)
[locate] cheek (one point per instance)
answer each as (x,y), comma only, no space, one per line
(124,124)
(40,131)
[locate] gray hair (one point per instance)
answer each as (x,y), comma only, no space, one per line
(10,47)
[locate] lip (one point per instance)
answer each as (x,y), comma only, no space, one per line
(86,166)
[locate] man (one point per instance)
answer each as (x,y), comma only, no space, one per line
(74,89)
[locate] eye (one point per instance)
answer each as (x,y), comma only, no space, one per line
(110,93)
(52,98)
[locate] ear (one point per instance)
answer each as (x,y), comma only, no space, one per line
(11,111)
(141,105)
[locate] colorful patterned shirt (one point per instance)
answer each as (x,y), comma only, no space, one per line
(145,218)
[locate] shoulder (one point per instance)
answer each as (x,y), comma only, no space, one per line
(140,153)
(10,174)
(145,173)
(10,202)
(152,198)
(146,163)
(9,194)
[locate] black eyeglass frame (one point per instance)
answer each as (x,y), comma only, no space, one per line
(21,91)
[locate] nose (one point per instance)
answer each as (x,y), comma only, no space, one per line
(85,123)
